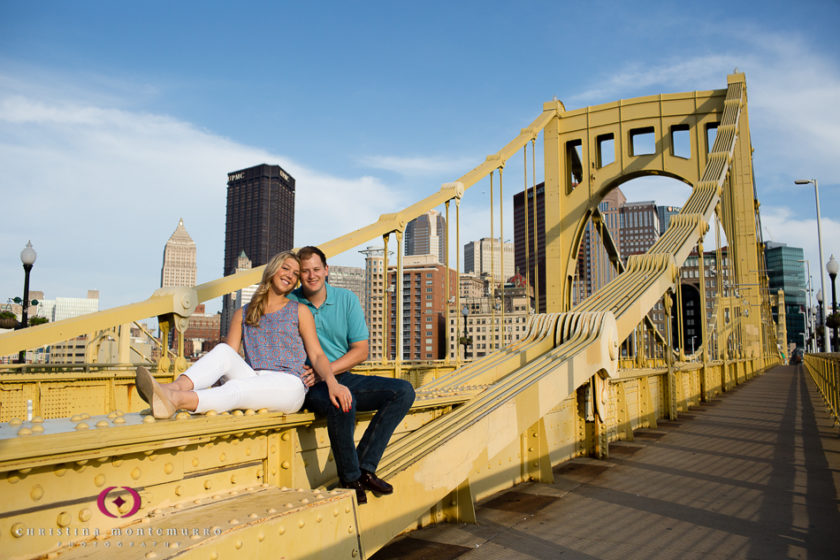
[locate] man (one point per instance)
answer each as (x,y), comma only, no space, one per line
(340,325)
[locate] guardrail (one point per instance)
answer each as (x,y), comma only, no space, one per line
(825,371)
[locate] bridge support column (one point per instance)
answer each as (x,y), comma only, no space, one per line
(671,381)
(536,461)
(459,505)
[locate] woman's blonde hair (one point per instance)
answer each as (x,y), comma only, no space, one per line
(256,309)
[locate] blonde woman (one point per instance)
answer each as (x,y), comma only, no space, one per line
(277,335)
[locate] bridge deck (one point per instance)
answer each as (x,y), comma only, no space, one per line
(754,474)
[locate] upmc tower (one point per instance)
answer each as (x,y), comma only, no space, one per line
(260,221)
(260,214)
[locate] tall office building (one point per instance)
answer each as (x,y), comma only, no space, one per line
(665,213)
(374,291)
(260,214)
(485,257)
(179,263)
(532,260)
(639,227)
(786,272)
(260,218)
(351,278)
(232,302)
(426,235)
(423,302)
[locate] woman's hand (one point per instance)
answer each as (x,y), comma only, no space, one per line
(340,395)
(310,377)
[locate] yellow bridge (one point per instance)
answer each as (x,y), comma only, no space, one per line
(253,484)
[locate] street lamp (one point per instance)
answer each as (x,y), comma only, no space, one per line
(465,340)
(832,267)
(827,342)
(808,293)
(27,258)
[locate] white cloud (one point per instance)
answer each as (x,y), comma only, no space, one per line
(419,165)
(99,190)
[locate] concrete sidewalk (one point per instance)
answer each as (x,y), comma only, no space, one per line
(753,474)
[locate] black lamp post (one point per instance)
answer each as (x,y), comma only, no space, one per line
(27,258)
(465,340)
(820,319)
(832,267)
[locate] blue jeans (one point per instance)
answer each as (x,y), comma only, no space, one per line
(390,398)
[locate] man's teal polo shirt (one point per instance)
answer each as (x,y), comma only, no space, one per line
(339,321)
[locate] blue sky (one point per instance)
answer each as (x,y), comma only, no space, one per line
(118,119)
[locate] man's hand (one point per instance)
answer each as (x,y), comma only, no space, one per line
(310,378)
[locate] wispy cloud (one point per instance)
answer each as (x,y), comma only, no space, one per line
(419,165)
(99,189)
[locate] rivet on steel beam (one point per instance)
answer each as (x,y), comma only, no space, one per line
(37,492)
(304,500)
(249,412)
(234,521)
(182,416)
(149,420)
(301,523)
(195,536)
(350,530)
(208,484)
(168,468)
(214,555)
(238,413)
(335,512)
(285,436)
(262,411)
(261,536)
(174,545)
(222,457)
(318,518)
(195,461)
(285,465)
(271,510)
(151,555)
(15,422)
(211,413)
(233,479)
(253,515)
(24,432)
(238,544)
(135,473)
(82,426)
(346,509)
(37,429)
(102,424)
(288,505)
(18,530)
(84,515)
(63,519)
(281,530)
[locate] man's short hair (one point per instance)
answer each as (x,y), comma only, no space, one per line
(310,250)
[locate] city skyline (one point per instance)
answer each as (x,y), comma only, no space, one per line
(131,137)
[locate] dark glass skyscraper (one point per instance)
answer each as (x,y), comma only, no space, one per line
(260,220)
(260,214)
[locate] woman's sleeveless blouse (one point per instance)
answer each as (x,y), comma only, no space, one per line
(275,344)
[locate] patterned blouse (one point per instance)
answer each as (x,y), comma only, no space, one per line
(275,344)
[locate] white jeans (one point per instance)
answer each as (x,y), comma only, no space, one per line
(243,387)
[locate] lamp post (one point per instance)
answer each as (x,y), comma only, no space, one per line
(826,341)
(820,317)
(808,292)
(465,311)
(832,267)
(27,258)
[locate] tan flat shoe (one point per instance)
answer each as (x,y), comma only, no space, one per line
(162,407)
(144,382)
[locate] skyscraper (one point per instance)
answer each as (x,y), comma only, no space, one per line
(533,259)
(260,214)
(426,235)
(786,272)
(374,292)
(260,219)
(485,257)
(179,266)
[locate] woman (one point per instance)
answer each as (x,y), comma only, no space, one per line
(277,334)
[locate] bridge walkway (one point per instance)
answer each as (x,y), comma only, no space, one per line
(753,474)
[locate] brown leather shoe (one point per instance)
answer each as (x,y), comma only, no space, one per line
(361,497)
(375,484)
